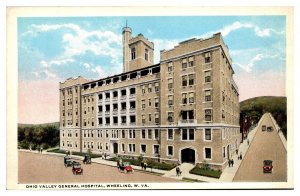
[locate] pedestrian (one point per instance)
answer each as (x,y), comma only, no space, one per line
(248,142)
(142,165)
(145,166)
(177,171)
(105,156)
(237,151)
(229,162)
(241,156)
(118,164)
(232,162)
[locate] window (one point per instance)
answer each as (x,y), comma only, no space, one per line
(143,104)
(156,119)
(132,53)
(156,102)
(123,147)
(170,151)
(170,83)
(143,148)
(187,134)
(149,102)
(149,88)
(106,134)
(207,57)
(207,134)
(191,79)
(131,134)
(170,116)
(123,134)
(207,75)
(170,134)
(191,97)
(106,146)
(149,117)
(170,100)
(224,152)
(156,87)
(143,135)
(143,89)
(207,153)
(184,98)
(131,148)
(223,114)
(156,149)
(184,64)
(207,94)
(170,67)
(156,134)
(150,134)
(184,80)
(208,114)
(143,119)
(191,61)
(146,54)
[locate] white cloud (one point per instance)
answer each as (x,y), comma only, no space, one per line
(44,64)
(86,65)
(49,74)
(255,59)
(99,71)
(162,44)
(226,30)
(36,74)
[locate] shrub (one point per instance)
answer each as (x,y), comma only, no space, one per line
(206,172)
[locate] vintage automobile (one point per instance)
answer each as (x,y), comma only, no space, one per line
(270,128)
(77,168)
(67,161)
(87,159)
(264,127)
(125,167)
(268,167)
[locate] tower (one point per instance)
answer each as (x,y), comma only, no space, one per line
(137,51)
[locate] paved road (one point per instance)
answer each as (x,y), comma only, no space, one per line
(42,168)
(265,146)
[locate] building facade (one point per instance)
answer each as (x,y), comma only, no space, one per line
(183,109)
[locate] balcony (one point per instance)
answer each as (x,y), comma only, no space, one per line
(131,96)
(123,124)
(132,110)
(187,122)
(107,112)
(107,99)
(123,97)
(100,113)
(123,111)
(132,123)
(107,124)
(115,112)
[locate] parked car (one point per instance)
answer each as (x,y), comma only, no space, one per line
(264,127)
(270,128)
(77,168)
(67,161)
(125,167)
(268,167)
(87,159)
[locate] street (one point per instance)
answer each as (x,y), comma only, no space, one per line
(43,168)
(265,146)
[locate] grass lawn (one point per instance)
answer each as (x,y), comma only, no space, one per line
(206,172)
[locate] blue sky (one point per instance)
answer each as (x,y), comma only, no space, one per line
(51,49)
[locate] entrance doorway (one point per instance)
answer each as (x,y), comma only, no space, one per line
(188,155)
(115,146)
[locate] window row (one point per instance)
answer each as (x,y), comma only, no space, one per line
(116,106)
(149,88)
(115,120)
(115,94)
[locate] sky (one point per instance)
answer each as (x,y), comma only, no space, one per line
(52,49)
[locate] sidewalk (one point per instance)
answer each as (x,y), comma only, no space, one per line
(229,172)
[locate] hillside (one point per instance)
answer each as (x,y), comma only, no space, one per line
(37,136)
(256,107)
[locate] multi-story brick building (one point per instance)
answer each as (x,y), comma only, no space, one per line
(183,109)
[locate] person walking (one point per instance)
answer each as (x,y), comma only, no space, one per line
(232,162)
(241,156)
(145,166)
(177,171)
(142,165)
(248,142)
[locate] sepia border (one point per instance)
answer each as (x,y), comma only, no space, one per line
(12,79)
